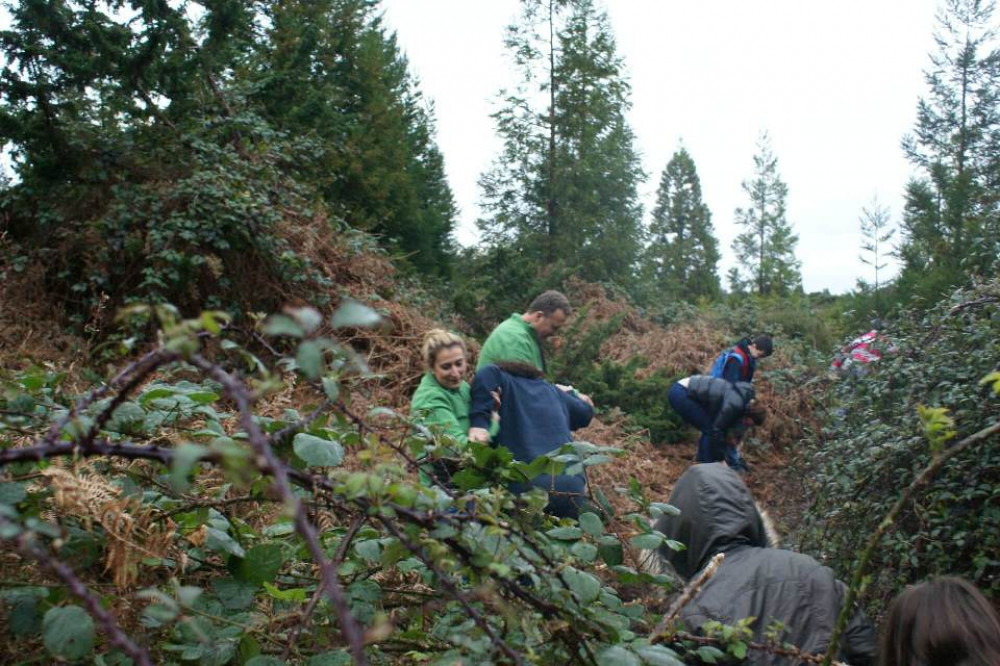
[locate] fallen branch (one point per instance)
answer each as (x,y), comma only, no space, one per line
(690,591)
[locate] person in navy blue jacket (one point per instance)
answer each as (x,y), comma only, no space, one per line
(536,417)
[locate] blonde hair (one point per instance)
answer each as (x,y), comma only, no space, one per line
(437,339)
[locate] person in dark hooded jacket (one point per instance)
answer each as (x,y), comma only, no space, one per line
(713,406)
(718,515)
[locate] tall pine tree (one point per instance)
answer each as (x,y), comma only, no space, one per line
(765,249)
(564,188)
(951,220)
(683,252)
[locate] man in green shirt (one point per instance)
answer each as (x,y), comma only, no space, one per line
(519,338)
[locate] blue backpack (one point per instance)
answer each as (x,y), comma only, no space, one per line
(719,366)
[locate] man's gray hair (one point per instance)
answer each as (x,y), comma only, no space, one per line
(549,301)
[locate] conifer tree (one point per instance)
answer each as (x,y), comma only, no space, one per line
(951,220)
(330,70)
(765,249)
(683,252)
(565,184)
(876,233)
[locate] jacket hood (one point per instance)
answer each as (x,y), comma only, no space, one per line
(717,514)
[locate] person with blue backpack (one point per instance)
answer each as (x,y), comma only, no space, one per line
(739,363)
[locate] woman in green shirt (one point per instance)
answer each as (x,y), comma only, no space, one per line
(442,399)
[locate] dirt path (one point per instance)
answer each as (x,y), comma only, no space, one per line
(773,478)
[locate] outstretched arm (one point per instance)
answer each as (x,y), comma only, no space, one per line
(488,381)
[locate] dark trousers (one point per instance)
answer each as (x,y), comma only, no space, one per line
(694,413)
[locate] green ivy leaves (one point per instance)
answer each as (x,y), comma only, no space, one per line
(68,633)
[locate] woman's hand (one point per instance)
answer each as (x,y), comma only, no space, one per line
(481,435)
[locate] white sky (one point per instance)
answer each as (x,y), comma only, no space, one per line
(835,84)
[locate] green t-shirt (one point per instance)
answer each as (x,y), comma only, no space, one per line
(443,407)
(512,340)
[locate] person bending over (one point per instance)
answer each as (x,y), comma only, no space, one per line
(714,406)
(536,418)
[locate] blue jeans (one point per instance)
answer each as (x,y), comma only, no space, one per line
(694,413)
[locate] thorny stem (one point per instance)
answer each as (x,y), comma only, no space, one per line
(457,594)
(266,456)
(25,544)
(761,647)
(98,393)
(338,559)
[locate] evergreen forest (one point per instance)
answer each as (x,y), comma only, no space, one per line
(225,228)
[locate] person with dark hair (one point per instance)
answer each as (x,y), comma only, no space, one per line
(715,407)
(739,363)
(943,622)
(536,418)
(520,336)
(718,515)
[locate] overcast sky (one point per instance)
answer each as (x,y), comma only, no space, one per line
(835,84)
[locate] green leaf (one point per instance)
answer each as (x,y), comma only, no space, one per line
(186,456)
(221,542)
(368,550)
(647,541)
(586,587)
(317,452)
(603,501)
(657,509)
(992,378)
(203,397)
(282,325)
(309,358)
(616,655)
(331,388)
(657,655)
(611,551)
(12,492)
(710,654)
(938,426)
(68,633)
(234,594)
(469,478)
(24,618)
(566,533)
(352,314)
(308,318)
(156,394)
(336,658)
(591,524)
(291,594)
(262,563)
(585,552)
